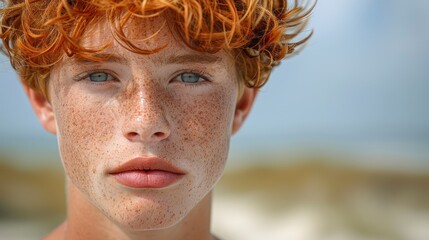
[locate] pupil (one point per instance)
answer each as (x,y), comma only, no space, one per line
(190,78)
(98,77)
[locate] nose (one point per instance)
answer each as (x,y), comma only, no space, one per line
(145,119)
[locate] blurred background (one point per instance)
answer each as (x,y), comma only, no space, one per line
(336,147)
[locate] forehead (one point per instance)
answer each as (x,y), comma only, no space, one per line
(149,35)
(146,33)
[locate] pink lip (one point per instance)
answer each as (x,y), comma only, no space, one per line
(147,173)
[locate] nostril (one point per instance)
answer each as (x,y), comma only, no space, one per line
(132,134)
(137,136)
(159,134)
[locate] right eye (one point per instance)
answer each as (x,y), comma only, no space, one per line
(100,77)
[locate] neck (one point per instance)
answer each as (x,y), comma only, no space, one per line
(85,221)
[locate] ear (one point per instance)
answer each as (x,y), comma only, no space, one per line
(43,109)
(243,107)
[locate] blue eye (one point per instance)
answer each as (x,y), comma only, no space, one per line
(190,77)
(100,77)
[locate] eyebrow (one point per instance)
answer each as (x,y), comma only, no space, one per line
(106,56)
(203,58)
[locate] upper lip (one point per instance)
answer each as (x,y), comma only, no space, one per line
(147,164)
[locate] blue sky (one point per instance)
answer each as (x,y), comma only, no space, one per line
(363,77)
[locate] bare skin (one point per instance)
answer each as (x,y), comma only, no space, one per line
(196,225)
(177,105)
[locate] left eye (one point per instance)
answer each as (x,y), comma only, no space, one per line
(100,77)
(190,77)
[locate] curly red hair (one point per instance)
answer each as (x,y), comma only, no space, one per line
(37,34)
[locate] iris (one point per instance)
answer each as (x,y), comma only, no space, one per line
(99,77)
(190,77)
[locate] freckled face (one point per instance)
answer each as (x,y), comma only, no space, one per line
(176,104)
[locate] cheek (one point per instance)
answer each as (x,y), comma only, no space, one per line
(206,120)
(205,129)
(84,127)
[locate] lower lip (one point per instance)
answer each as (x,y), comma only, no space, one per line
(147,179)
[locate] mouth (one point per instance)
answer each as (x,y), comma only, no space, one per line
(149,172)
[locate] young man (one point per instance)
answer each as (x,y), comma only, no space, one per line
(143,97)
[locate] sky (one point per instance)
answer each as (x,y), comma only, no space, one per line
(361,81)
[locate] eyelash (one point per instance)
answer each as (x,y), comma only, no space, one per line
(200,74)
(86,76)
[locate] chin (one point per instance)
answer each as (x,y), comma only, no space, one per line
(143,223)
(147,214)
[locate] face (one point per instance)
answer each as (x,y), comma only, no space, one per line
(176,106)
